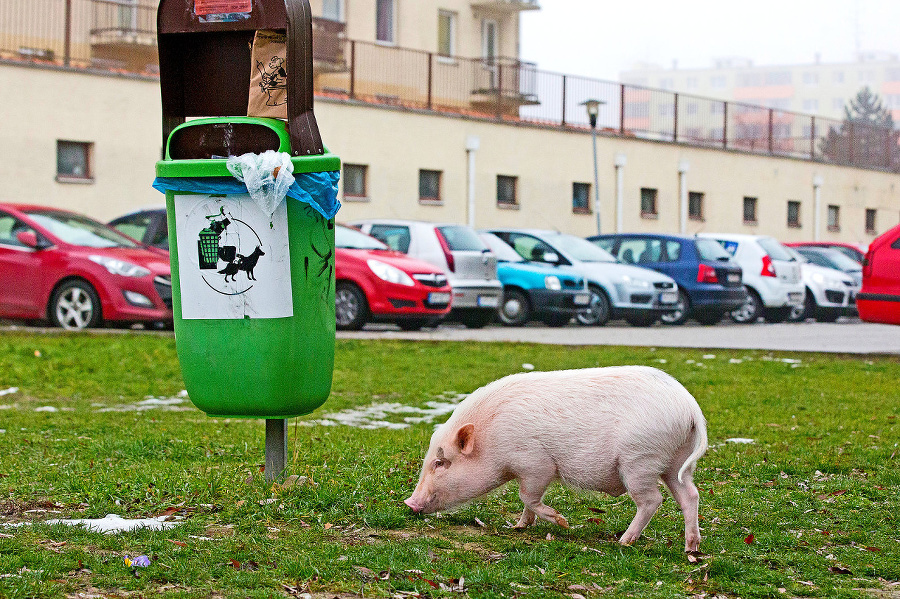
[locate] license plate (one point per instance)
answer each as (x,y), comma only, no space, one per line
(439,298)
(668,297)
(488,301)
(734,277)
(582,299)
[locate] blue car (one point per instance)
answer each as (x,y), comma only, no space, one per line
(709,281)
(535,290)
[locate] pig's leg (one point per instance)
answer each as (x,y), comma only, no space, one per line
(643,488)
(531,492)
(688,498)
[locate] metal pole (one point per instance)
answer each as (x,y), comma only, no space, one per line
(276,447)
(67,41)
(596,178)
(620,192)
(472,144)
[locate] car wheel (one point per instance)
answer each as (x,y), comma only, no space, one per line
(514,310)
(351,310)
(708,317)
(805,310)
(598,311)
(477,318)
(681,312)
(750,311)
(75,305)
(641,320)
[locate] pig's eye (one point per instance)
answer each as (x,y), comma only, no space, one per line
(439,463)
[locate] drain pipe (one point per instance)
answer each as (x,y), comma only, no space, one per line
(683,167)
(817,206)
(621,160)
(472,144)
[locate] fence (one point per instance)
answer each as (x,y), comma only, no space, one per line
(120,34)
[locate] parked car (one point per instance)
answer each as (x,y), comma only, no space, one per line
(76,272)
(771,275)
(147,226)
(829,293)
(375,283)
(639,295)
(852,251)
(468,263)
(709,281)
(879,299)
(833,258)
(536,290)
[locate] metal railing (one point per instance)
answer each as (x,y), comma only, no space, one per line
(121,34)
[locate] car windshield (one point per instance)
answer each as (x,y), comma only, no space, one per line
(710,249)
(503,252)
(580,249)
(81,230)
(461,238)
(351,239)
(842,261)
(775,250)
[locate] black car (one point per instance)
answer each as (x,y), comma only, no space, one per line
(709,282)
(147,226)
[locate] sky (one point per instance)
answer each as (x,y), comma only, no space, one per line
(601,38)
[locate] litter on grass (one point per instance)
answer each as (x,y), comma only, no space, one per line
(112,523)
(377,415)
(9,391)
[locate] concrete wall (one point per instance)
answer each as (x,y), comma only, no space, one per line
(121,117)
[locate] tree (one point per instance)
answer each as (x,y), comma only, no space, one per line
(866,137)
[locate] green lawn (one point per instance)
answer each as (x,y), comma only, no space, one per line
(809,508)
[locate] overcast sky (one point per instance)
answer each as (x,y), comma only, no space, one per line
(601,38)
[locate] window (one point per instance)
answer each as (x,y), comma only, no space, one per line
(446,33)
(667,83)
(581,198)
(778,78)
(396,237)
(793,214)
(695,205)
(834,218)
(429,186)
(333,10)
(10,227)
(810,78)
(506,190)
(355,181)
(73,161)
(811,105)
(870,221)
(648,202)
(718,82)
(384,21)
(750,210)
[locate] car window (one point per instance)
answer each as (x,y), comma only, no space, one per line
(842,261)
(160,238)
(673,250)
(641,251)
(347,238)
(774,249)
(80,230)
(606,243)
(729,246)
(529,247)
(134,226)
(461,238)
(709,249)
(395,236)
(503,252)
(11,226)
(581,249)
(816,258)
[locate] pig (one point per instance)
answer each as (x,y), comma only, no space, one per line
(616,429)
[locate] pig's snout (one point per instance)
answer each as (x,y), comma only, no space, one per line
(413,505)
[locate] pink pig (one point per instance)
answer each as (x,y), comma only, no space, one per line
(617,430)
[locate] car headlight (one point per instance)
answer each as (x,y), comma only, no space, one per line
(552,282)
(640,283)
(120,267)
(389,273)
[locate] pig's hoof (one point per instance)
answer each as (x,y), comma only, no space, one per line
(562,521)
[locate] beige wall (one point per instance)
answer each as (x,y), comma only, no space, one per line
(121,117)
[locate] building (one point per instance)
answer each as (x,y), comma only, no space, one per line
(436,118)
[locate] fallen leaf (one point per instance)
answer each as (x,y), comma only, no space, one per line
(872,549)
(839,570)
(597,510)
(179,543)
(328,525)
(366,572)
(749,539)
(479,522)
(595,520)
(240,503)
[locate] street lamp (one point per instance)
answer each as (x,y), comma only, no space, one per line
(593,109)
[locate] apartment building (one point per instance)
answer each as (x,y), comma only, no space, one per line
(435,117)
(818,88)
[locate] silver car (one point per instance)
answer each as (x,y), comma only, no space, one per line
(470,266)
(639,295)
(830,293)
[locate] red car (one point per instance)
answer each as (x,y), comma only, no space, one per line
(76,272)
(879,299)
(376,283)
(848,249)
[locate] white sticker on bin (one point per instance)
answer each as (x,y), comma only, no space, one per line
(233,259)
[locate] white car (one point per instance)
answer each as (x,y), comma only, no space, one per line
(639,295)
(470,265)
(771,275)
(829,294)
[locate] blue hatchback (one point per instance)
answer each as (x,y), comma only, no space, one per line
(535,290)
(709,282)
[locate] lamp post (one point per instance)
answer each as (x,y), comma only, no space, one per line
(593,109)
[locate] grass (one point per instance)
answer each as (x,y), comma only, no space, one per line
(810,508)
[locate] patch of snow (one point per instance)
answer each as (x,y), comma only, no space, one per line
(46,409)
(112,523)
(150,403)
(377,415)
(9,391)
(740,440)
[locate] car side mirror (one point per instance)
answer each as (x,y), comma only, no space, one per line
(551,257)
(30,239)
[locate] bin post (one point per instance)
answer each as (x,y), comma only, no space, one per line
(276,447)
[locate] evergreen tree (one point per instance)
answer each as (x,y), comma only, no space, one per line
(866,137)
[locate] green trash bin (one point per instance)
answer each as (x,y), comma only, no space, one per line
(252,293)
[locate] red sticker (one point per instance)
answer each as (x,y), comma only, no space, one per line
(214,7)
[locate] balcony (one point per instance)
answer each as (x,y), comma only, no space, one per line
(328,45)
(506,6)
(123,35)
(504,85)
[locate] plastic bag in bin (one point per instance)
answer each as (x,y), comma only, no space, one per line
(268,176)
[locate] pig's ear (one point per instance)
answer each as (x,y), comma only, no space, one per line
(465,438)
